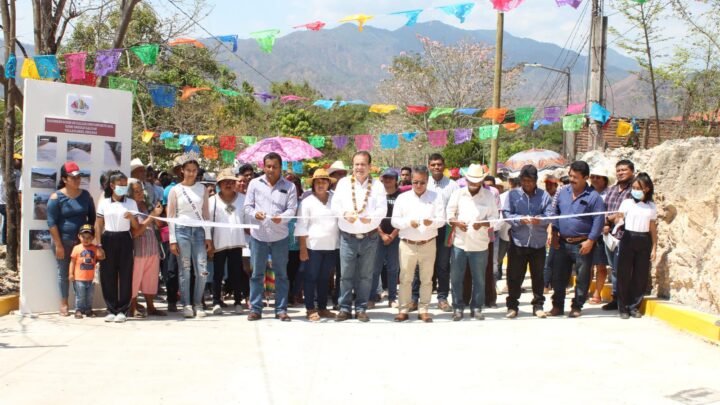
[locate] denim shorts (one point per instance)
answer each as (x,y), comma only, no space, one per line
(599,255)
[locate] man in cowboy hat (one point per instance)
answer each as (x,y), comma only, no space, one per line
(337,171)
(138,171)
(417,214)
(468,211)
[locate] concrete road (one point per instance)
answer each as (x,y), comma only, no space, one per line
(596,359)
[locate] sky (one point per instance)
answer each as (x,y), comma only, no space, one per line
(541,20)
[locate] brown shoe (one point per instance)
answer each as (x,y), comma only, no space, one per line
(555,311)
(371,305)
(312,315)
(283,316)
(342,316)
(413,306)
(325,313)
(362,316)
(425,317)
(575,313)
(401,318)
(444,306)
(254,316)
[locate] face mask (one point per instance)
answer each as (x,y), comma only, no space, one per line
(637,194)
(121,190)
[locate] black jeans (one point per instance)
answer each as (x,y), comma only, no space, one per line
(233,258)
(170,274)
(633,269)
(116,271)
(3,212)
(518,260)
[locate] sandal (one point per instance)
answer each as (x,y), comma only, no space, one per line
(595,300)
(64,311)
(157,312)
(313,316)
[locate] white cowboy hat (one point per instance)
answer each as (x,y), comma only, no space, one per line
(338,165)
(475,173)
(136,164)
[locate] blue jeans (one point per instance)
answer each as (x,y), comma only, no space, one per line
(565,257)
(63,266)
(389,256)
(501,249)
(83,295)
(612,256)
(259,252)
(478,264)
(191,242)
(317,277)
(357,259)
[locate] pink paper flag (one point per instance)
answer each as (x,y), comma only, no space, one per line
(575,108)
(75,66)
(363,142)
(438,138)
(505,5)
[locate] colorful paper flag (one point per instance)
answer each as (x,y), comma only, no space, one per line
(417,109)
(47,66)
(340,141)
(411,15)
(192,148)
(291,97)
(227,142)
(624,128)
(363,142)
(553,114)
(438,111)
(185,139)
(458,10)
(228,156)
(106,61)
(232,39)
(89,80)
(512,126)
(326,104)
(249,140)
(409,136)
(523,115)
(438,138)
(172,144)
(147,53)
(497,115)
(573,122)
(360,18)
(162,95)
(467,111)
(188,92)
(186,41)
(575,108)
(210,152)
(264,97)
(506,5)
(599,113)
(121,83)
(11,67)
(571,3)
(227,92)
(389,141)
(297,167)
(75,66)
(313,26)
(29,70)
(317,141)
(351,102)
(462,135)
(488,132)
(166,135)
(201,138)
(265,39)
(382,108)
(147,136)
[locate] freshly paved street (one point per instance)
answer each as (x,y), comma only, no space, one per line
(596,359)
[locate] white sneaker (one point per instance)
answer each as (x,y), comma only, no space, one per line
(238,309)
(109,318)
(120,318)
(200,313)
(217,310)
(187,311)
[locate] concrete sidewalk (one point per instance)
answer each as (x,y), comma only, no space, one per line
(596,359)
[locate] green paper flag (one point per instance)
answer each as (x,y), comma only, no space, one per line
(523,116)
(488,132)
(121,83)
(573,122)
(228,156)
(317,141)
(227,92)
(249,140)
(147,53)
(438,111)
(266,39)
(172,144)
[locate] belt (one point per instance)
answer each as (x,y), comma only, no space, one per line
(574,240)
(361,235)
(417,242)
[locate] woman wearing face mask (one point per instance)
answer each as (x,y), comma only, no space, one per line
(113,227)
(637,246)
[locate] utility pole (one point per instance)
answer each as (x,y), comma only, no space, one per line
(497,86)
(598,48)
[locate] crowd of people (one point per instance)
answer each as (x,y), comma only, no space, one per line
(349,240)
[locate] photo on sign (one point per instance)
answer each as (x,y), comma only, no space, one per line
(113,153)
(85,179)
(43,178)
(39,239)
(40,202)
(79,152)
(46,148)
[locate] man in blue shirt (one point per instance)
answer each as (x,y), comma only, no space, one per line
(574,238)
(526,207)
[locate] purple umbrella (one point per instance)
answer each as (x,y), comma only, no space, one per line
(290,149)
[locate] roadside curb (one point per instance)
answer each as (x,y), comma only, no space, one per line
(9,303)
(683,318)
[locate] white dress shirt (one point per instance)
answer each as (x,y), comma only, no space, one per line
(468,208)
(445,187)
(319,223)
(411,207)
(228,238)
(113,213)
(376,208)
(503,228)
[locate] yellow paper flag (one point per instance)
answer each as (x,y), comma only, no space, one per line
(383,108)
(360,18)
(29,70)
(147,136)
(624,128)
(204,137)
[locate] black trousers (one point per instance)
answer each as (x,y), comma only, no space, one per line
(633,269)
(233,258)
(293,271)
(116,271)
(518,260)
(170,274)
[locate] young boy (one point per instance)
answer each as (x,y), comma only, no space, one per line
(82,271)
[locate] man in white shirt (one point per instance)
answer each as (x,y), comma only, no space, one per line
(361,203)
(468,211)
(417,214)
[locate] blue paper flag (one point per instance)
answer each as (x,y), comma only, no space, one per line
(389,141)
(599,113)
(233,39)
(166,135)
(467,111)
(297,167)
(326,104)
(351,102)
(412,16)
(284,165)
(458,10)
(192,148)
(162,95)
(409,136)
(185,139)
(11,67)
(636,127)
(47,66)
(539,123)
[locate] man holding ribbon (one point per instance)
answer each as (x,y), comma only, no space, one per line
(361,203)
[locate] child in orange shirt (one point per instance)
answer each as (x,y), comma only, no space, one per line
(82,271)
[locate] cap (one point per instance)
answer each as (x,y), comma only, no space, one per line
(70,169)
(390,173)
(136,164)
(87,228)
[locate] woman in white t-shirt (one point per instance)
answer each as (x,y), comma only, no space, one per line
(188,201)
(318,233)
(226,207)
(637,246)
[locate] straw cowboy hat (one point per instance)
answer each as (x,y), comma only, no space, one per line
(338,165)
(322,174)
(227,174)
(475,173)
